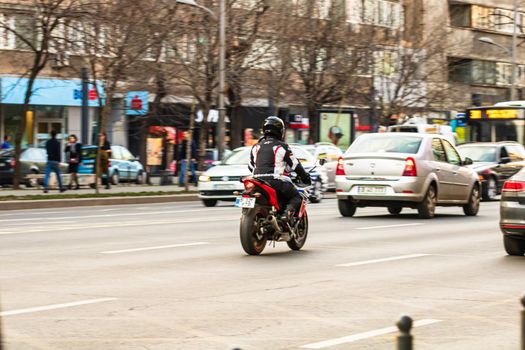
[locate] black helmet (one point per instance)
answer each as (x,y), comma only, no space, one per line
(274,126)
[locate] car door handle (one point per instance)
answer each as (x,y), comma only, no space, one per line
(455,172)
(437,170)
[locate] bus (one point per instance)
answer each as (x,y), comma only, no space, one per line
(505,121)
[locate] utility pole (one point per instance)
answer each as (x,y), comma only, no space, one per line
(85,107)
(221,125)
(513,94)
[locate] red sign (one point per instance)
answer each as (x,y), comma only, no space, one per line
(136,104)
(93,94)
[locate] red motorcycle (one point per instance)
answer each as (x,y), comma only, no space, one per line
(260,222)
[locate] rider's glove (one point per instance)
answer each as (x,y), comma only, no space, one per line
(306,179)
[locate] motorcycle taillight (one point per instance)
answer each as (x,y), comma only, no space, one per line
(248,185)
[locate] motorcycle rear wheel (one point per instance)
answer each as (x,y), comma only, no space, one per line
(299,240)
(253,242)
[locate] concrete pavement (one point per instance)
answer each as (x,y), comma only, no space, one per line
(174,276)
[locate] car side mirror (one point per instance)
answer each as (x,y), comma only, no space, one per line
(468,161)
(505,160)
(322,161)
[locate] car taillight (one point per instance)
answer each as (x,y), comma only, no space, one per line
(513,186)
(340,170)
(13,163)
(410,167)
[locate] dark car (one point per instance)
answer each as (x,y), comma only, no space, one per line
(512,214)
(494,162)
(33,161)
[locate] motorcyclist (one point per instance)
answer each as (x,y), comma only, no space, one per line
(271,159)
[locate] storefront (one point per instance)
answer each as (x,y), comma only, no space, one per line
(54,105)
(496,123)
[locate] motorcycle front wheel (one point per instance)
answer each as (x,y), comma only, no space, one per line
(299,240)
(252,240)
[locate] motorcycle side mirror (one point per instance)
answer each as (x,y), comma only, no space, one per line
(322,161)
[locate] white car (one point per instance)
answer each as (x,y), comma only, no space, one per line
(329,152)
(220,181)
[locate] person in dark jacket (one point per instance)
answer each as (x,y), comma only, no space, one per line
(105,155)
(74,157)
(271,159)
(183,160)
(53,161)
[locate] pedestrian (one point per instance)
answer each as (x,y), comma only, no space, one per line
(7,142)
(183,160)
(53,161)
(74,157)
(105,156)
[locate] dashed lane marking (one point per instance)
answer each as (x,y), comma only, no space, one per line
(154,248)
(375,261)
(388,226)
(365,335)
(55,306)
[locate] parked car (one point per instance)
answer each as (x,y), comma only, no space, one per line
(330,152)
(124,166)
(512,214)
(494,162)
(220,181)
(397,170)
(33,162)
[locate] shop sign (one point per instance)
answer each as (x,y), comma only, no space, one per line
(49,92)
(137,103)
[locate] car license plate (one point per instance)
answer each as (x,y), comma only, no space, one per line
(224,187)
(371,190)
(245,202)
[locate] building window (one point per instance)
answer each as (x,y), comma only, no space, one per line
(459,70)
(459,15)
(375,12)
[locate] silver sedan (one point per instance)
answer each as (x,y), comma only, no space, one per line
(512,213)
(397,170)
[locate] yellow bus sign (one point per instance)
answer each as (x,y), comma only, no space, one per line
(502,113)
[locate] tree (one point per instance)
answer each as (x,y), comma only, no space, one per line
(37,30)
(325,53)
(120,37)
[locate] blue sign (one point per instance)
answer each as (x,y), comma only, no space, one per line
(137,103)
(49,92)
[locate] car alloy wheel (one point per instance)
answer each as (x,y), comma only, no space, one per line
(492,189)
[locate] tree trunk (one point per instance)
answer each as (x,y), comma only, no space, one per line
(313,116)
(21,129)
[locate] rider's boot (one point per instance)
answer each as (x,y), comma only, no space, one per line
(288,214)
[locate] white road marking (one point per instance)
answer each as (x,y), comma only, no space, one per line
(388,226)
(365,335)
(55,306)
(375,261)
(154,248)
(114,224)
(111,215)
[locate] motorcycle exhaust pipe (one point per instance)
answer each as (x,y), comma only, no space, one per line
(273,222)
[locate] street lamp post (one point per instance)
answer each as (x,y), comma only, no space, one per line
(512,52)
(221,125)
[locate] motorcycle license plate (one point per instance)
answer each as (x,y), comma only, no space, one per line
(245,202)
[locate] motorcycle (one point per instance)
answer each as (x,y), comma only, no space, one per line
(260,222)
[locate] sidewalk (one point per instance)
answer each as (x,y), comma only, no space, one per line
(130,194)
(122,188)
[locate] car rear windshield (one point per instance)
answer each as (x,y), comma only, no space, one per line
(384,143)
(479,153)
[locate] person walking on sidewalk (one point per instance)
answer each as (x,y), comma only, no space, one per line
(183,160)
(7,142)
(105,155)
(74,157)
(53,161)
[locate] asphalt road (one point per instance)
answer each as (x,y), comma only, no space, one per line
(175,277)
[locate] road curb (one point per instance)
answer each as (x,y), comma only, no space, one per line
(86,202)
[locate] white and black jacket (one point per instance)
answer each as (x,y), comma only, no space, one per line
(274,158)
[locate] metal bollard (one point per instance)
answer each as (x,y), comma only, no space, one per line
(523,323)
(404,339)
